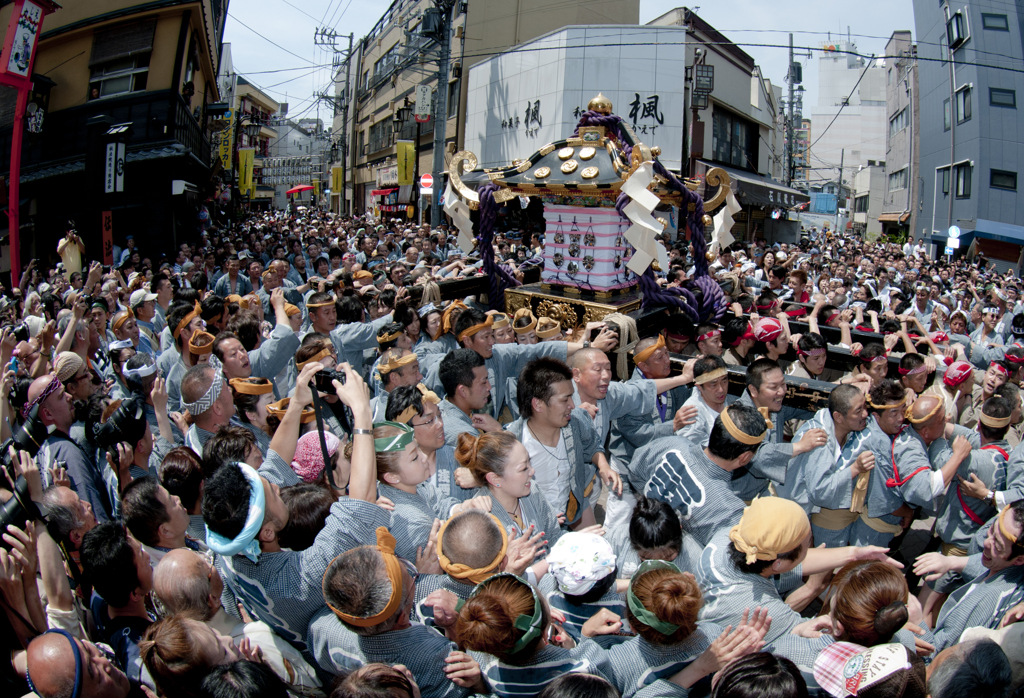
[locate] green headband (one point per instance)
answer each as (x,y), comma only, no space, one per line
(398,442)
(638,609)
(531,627)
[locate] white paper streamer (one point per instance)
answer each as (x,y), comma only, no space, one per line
(722,236)
(641,234)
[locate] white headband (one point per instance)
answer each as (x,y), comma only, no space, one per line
(139,373)
(206,401)
(120,344)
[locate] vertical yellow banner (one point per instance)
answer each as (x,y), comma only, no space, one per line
(336,173)
(406,156)
(246,157)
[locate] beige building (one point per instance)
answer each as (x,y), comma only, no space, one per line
(386,65)
(106,63)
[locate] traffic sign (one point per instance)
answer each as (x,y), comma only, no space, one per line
(954,231)
(427,181)
(954,243)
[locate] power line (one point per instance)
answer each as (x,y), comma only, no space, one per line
(299,9)
(268,40)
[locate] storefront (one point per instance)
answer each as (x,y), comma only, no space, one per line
(765,203)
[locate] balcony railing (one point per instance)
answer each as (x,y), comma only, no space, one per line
(159,119)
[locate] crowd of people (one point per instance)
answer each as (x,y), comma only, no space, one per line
(275,462)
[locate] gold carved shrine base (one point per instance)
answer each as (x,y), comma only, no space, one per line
(569,309)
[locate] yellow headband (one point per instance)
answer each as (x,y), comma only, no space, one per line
(386,545)
(547,328)
(500,320)
(1002,526)
(409,412)
(524,312)
(994,422)
(323,353)
(187,319)
(291,310)
(314,306)
(235,298)
(738,434)
(123,319)
(463,572)
(894,406)
(446,316)
(252,386)
(769,526)
(268,270)
(647,353)
(277,409)
(908,413)
(470,331)
(384,339)
(710,376)
(395,364)
(201,349)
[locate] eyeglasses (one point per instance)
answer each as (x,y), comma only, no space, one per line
(411,569)
(429,421)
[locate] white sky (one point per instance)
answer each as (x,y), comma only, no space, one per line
(291,24)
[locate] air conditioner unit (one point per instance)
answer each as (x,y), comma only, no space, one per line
(956,30)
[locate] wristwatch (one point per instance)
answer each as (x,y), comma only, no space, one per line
(586,343)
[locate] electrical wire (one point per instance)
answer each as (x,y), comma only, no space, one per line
(268,40)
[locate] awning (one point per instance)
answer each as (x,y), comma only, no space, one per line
(893,217)
(382,192)
(996,230)
(754,190)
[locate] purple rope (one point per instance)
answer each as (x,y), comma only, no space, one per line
(498,276)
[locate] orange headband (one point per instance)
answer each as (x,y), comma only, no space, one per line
(395,364)
(446,316)
(290,309)
(1002,527)
(908,413)
(385,338)
(235,298)
(277,409)
(470,331)
(325,352)
(647,353)
(252,386)
(124,318)
(314,306)
(205,348)
(386,545)
(464,572)
(500,320)
(196,312)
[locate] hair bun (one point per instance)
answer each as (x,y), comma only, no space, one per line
(891,618)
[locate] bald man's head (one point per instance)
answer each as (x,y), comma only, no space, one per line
(923,407)
(186,583)
(473,538)
(51,665)
(584,357)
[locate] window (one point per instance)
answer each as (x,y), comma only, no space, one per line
(963,105)
(453,98)
(860,204)
(380,135)
(1001,179)
(963,181)
(943,48)
(956,30)
(946,116)
(998,97)
(995,22)
(119,77)
(898,123)
(734,140)
(944,173)
(898,180)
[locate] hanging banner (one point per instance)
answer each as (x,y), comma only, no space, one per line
(246,158)
(227,141)
(107,226)
(336,176)
(423,104)
(406,156)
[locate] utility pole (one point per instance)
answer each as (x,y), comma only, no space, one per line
(952,133)
(328,37)
(842,157)
(441,108)
(790,125)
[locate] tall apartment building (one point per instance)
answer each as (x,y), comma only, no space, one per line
(972,135)
(850,114)
(374,84)
(900,204)
(101,64)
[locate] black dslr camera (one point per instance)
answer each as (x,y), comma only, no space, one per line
(127,424)
(322,384)
(28,437)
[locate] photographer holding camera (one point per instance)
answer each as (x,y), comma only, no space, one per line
(56,413)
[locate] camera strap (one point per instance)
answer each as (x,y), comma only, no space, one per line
(318,408)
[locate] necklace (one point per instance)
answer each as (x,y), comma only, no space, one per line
(514,511)
(553,454)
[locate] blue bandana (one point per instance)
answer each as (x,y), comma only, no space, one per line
(245,542)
